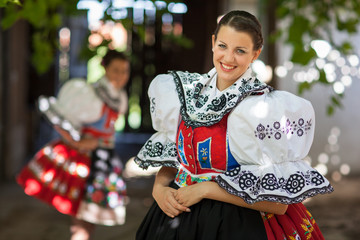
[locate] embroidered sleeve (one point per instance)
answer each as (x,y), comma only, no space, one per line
(160,149)
(269,136)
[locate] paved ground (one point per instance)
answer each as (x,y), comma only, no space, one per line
(25,218)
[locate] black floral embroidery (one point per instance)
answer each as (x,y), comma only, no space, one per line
(233,172)
(201,101)
(277,131)
(217,104)
(317,178)
(269,182)
(197,90)
(198,109)
(157,154)
(252,188)
(295,183)
(154,150)
(247,180)
(267,196)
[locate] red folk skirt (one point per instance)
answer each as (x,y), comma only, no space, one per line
(296,224)
(57,175)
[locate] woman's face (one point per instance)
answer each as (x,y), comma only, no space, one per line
(118,72)
(232,54)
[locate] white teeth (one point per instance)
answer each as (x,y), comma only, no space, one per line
(226,67)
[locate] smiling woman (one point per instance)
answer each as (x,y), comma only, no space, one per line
(231,149)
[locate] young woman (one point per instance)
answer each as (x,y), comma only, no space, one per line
(231,149)
(80,174)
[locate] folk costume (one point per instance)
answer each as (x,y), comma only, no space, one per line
(250,139)
(85,185)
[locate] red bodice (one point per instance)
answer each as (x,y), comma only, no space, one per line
(103,129)
(205,149)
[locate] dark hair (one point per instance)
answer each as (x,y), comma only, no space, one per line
(111,55)
(243,21)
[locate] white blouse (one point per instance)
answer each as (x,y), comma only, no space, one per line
(269,136)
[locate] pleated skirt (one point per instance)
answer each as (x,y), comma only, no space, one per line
(208,220)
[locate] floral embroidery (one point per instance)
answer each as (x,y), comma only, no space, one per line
(307,227)
(200,108)
(253,188)
(184,178)
(269,182)
(277,130)
(163,154)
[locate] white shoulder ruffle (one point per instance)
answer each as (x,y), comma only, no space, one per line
(76,104)
(160,149)
(270,135)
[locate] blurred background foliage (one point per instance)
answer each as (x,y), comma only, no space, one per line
(304,21)
(301,22)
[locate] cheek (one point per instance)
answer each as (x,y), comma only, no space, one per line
(217,56)
(243,61)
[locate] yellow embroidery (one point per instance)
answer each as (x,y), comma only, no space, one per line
(268,216)
(308,228)
(311,217)
(295,235)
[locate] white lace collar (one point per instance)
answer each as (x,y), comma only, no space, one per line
(203,105)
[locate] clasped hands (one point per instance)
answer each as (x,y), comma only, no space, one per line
(174,202)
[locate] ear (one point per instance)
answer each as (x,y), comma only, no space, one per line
(213,41)
(256,54)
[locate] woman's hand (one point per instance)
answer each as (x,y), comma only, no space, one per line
(190,195)
(164,196)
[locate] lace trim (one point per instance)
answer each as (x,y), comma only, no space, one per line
(103,94)
(220,106)
(145,164)
(271,197)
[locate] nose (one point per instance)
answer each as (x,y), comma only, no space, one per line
(229,57)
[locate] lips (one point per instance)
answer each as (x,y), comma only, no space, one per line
(227,67)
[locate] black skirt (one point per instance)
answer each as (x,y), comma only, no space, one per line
(208,220)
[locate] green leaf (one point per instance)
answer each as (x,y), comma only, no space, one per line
(4,3)
(303,86)
(43,55)
(301,56)
(322,77)
(336,101)
(282,11)
(298,27)
(11,16)
(330,110)
(346,48)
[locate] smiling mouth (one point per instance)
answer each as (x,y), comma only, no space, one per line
(227,67)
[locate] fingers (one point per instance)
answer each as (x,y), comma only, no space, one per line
(177,205)
(173,208)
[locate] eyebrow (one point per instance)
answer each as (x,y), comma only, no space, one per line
(241,47)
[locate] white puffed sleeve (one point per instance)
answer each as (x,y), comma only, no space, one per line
(160,149)
(269,136)
(76,105)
